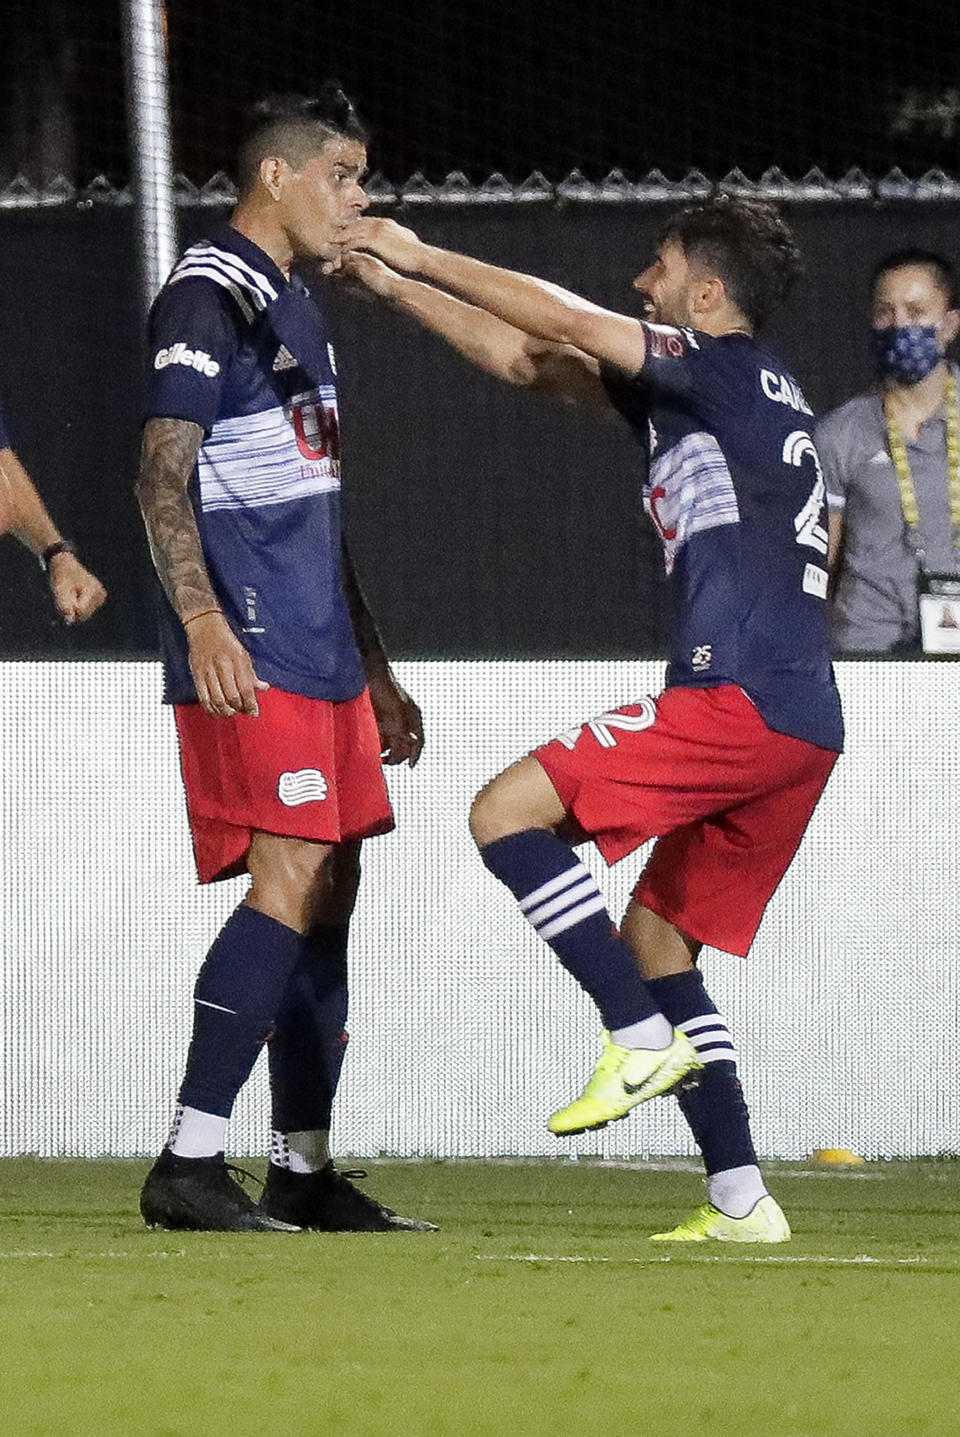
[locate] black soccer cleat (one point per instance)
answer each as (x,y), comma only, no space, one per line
(327,1201)
(199,1195)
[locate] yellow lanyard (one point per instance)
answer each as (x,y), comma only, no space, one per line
(908,495)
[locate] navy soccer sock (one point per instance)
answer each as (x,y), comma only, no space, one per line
(560,898)
(307,1048)
(715,1109)
(236,1000)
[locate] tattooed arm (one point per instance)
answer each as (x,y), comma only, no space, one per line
(398,717)
(221,667)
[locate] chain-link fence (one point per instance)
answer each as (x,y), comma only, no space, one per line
(618,102)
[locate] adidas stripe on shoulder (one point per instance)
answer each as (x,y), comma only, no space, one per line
(251,290)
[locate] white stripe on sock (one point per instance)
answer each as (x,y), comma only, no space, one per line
(707,1023)
(204,1004)
(709,1034)
(565,900)
(574,916)
(563,880)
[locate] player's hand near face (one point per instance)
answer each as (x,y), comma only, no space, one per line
(222,670)
(397,246)
(76,592)
(398,718)
(371,272)
(539,308)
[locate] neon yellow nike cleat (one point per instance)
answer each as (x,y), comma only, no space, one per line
(623,1078)
(763,1223)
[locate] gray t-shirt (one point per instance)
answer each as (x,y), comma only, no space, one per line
(875,601)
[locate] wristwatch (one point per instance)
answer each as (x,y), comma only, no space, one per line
(62,546)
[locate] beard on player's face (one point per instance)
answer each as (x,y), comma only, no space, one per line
(665,305)
(672,308)
(647,304)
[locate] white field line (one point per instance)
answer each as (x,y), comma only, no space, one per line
(245,1254)
(75,1255)
(683,1165)
(777,1259)
(779,1167)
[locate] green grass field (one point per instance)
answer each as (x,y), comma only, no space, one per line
(540,1307)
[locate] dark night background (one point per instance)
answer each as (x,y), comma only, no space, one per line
(485,521)
(479,87)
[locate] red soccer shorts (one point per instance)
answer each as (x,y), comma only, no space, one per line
(304,768)
(728,798)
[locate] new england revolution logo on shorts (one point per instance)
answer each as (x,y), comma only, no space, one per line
(305,785)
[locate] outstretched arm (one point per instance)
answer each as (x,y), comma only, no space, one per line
(486,340)
(76,592)
(535,306)
(222,669)
(398,717)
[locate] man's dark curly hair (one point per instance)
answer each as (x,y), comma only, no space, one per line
(744,242)
(295,127)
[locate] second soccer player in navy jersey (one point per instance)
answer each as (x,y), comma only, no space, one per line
(284,699)
(726,765)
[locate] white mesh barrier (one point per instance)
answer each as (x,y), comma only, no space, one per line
(465,1031)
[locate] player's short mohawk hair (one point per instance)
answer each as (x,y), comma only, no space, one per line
(295,127)
(746,243)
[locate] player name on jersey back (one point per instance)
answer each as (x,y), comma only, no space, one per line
(735,489)
(784,390)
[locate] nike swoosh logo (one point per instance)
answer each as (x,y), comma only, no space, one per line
(631,1089)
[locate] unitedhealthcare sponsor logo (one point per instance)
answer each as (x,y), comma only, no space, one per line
(197,359)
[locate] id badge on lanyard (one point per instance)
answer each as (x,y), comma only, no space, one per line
(938,595)
(939,599)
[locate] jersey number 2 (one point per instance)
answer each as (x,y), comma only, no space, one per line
(797,447)
(603,727)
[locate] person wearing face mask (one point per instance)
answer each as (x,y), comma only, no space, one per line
(891,461)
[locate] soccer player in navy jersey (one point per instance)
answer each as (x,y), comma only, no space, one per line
(77,593)
(285,702)
(726,765)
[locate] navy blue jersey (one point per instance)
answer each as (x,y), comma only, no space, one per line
(735,490)
(242,351)
(5,442)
